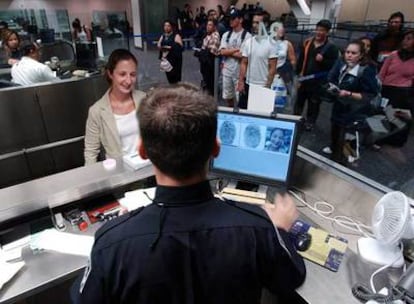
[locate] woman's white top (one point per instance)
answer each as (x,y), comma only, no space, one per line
(281,47)
(82,36)
(128,130)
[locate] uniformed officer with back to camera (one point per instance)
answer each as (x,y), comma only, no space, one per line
(189,246)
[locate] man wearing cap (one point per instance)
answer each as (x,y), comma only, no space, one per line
(230,49)
(29,70)
(316,58)
(258,65)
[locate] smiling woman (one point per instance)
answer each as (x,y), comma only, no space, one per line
(112,122)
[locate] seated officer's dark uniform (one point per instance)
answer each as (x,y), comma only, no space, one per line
(189,247)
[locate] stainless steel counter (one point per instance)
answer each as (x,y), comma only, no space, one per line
(316,176)
(66,187)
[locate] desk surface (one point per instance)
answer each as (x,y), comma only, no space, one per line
(321,285)
(65,187)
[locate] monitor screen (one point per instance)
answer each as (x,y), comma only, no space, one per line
(255,148)
(86,55)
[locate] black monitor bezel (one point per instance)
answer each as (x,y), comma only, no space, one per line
(221,173)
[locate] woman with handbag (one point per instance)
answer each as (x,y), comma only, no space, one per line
(170,45)
(353,87)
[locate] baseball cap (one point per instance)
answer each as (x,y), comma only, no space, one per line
(235,13)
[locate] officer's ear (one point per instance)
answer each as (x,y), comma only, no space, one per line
(216,148)
(141,149)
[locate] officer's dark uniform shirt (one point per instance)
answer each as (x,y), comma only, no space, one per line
(189,247)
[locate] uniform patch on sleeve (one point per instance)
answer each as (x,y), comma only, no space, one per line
(85,275)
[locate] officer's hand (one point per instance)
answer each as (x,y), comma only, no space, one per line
(319,58)
(283,213)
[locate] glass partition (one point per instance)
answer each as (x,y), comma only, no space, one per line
(32,24)
(112,29)
(29,22)
(390,166)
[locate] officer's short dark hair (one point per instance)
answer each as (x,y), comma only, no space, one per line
(115,57)
(178,128)
(325,24)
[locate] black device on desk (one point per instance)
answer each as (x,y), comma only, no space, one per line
(255,148)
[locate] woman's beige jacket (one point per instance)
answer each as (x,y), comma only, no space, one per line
(101,129)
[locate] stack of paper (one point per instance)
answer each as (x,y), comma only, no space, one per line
(69,243)
(8,271)
(135,161)
(138,198)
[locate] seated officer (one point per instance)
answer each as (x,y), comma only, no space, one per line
(29,70)
(189,246)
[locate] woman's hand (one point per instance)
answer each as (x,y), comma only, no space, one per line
(345,93)
(12,61)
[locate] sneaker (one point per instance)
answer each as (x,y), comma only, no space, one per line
(376,147)
(309,126)
(327,150)
(351,159)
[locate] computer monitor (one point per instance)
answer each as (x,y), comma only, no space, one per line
(86,55)
(255,148)
(47,35)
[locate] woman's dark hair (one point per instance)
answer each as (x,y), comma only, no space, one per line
(397,15)
(115,57)
(403,53)
(76,24)
(28,47)
(408,32)
(368,57)
(172,23)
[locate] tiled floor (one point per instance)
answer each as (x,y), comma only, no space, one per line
(391,167)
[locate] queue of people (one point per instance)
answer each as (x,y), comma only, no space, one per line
(249,58)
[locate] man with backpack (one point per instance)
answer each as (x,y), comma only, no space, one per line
(316,58)
(230,49)
(258,65)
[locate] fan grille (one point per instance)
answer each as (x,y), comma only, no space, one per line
(390,217)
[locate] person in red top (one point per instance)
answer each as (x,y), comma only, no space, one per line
(397,77)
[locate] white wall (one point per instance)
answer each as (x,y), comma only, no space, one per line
(81,9)
(361,10)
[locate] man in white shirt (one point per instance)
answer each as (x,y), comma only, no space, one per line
(258,64)
(29,70)
(230,49)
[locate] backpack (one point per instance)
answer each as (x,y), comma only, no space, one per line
(375,102)
(243,35)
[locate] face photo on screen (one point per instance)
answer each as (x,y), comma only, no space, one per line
(254,148)
(278,140)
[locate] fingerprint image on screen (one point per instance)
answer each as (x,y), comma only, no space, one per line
(252,136)
(227,133)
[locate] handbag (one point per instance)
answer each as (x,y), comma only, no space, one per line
(165,65)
